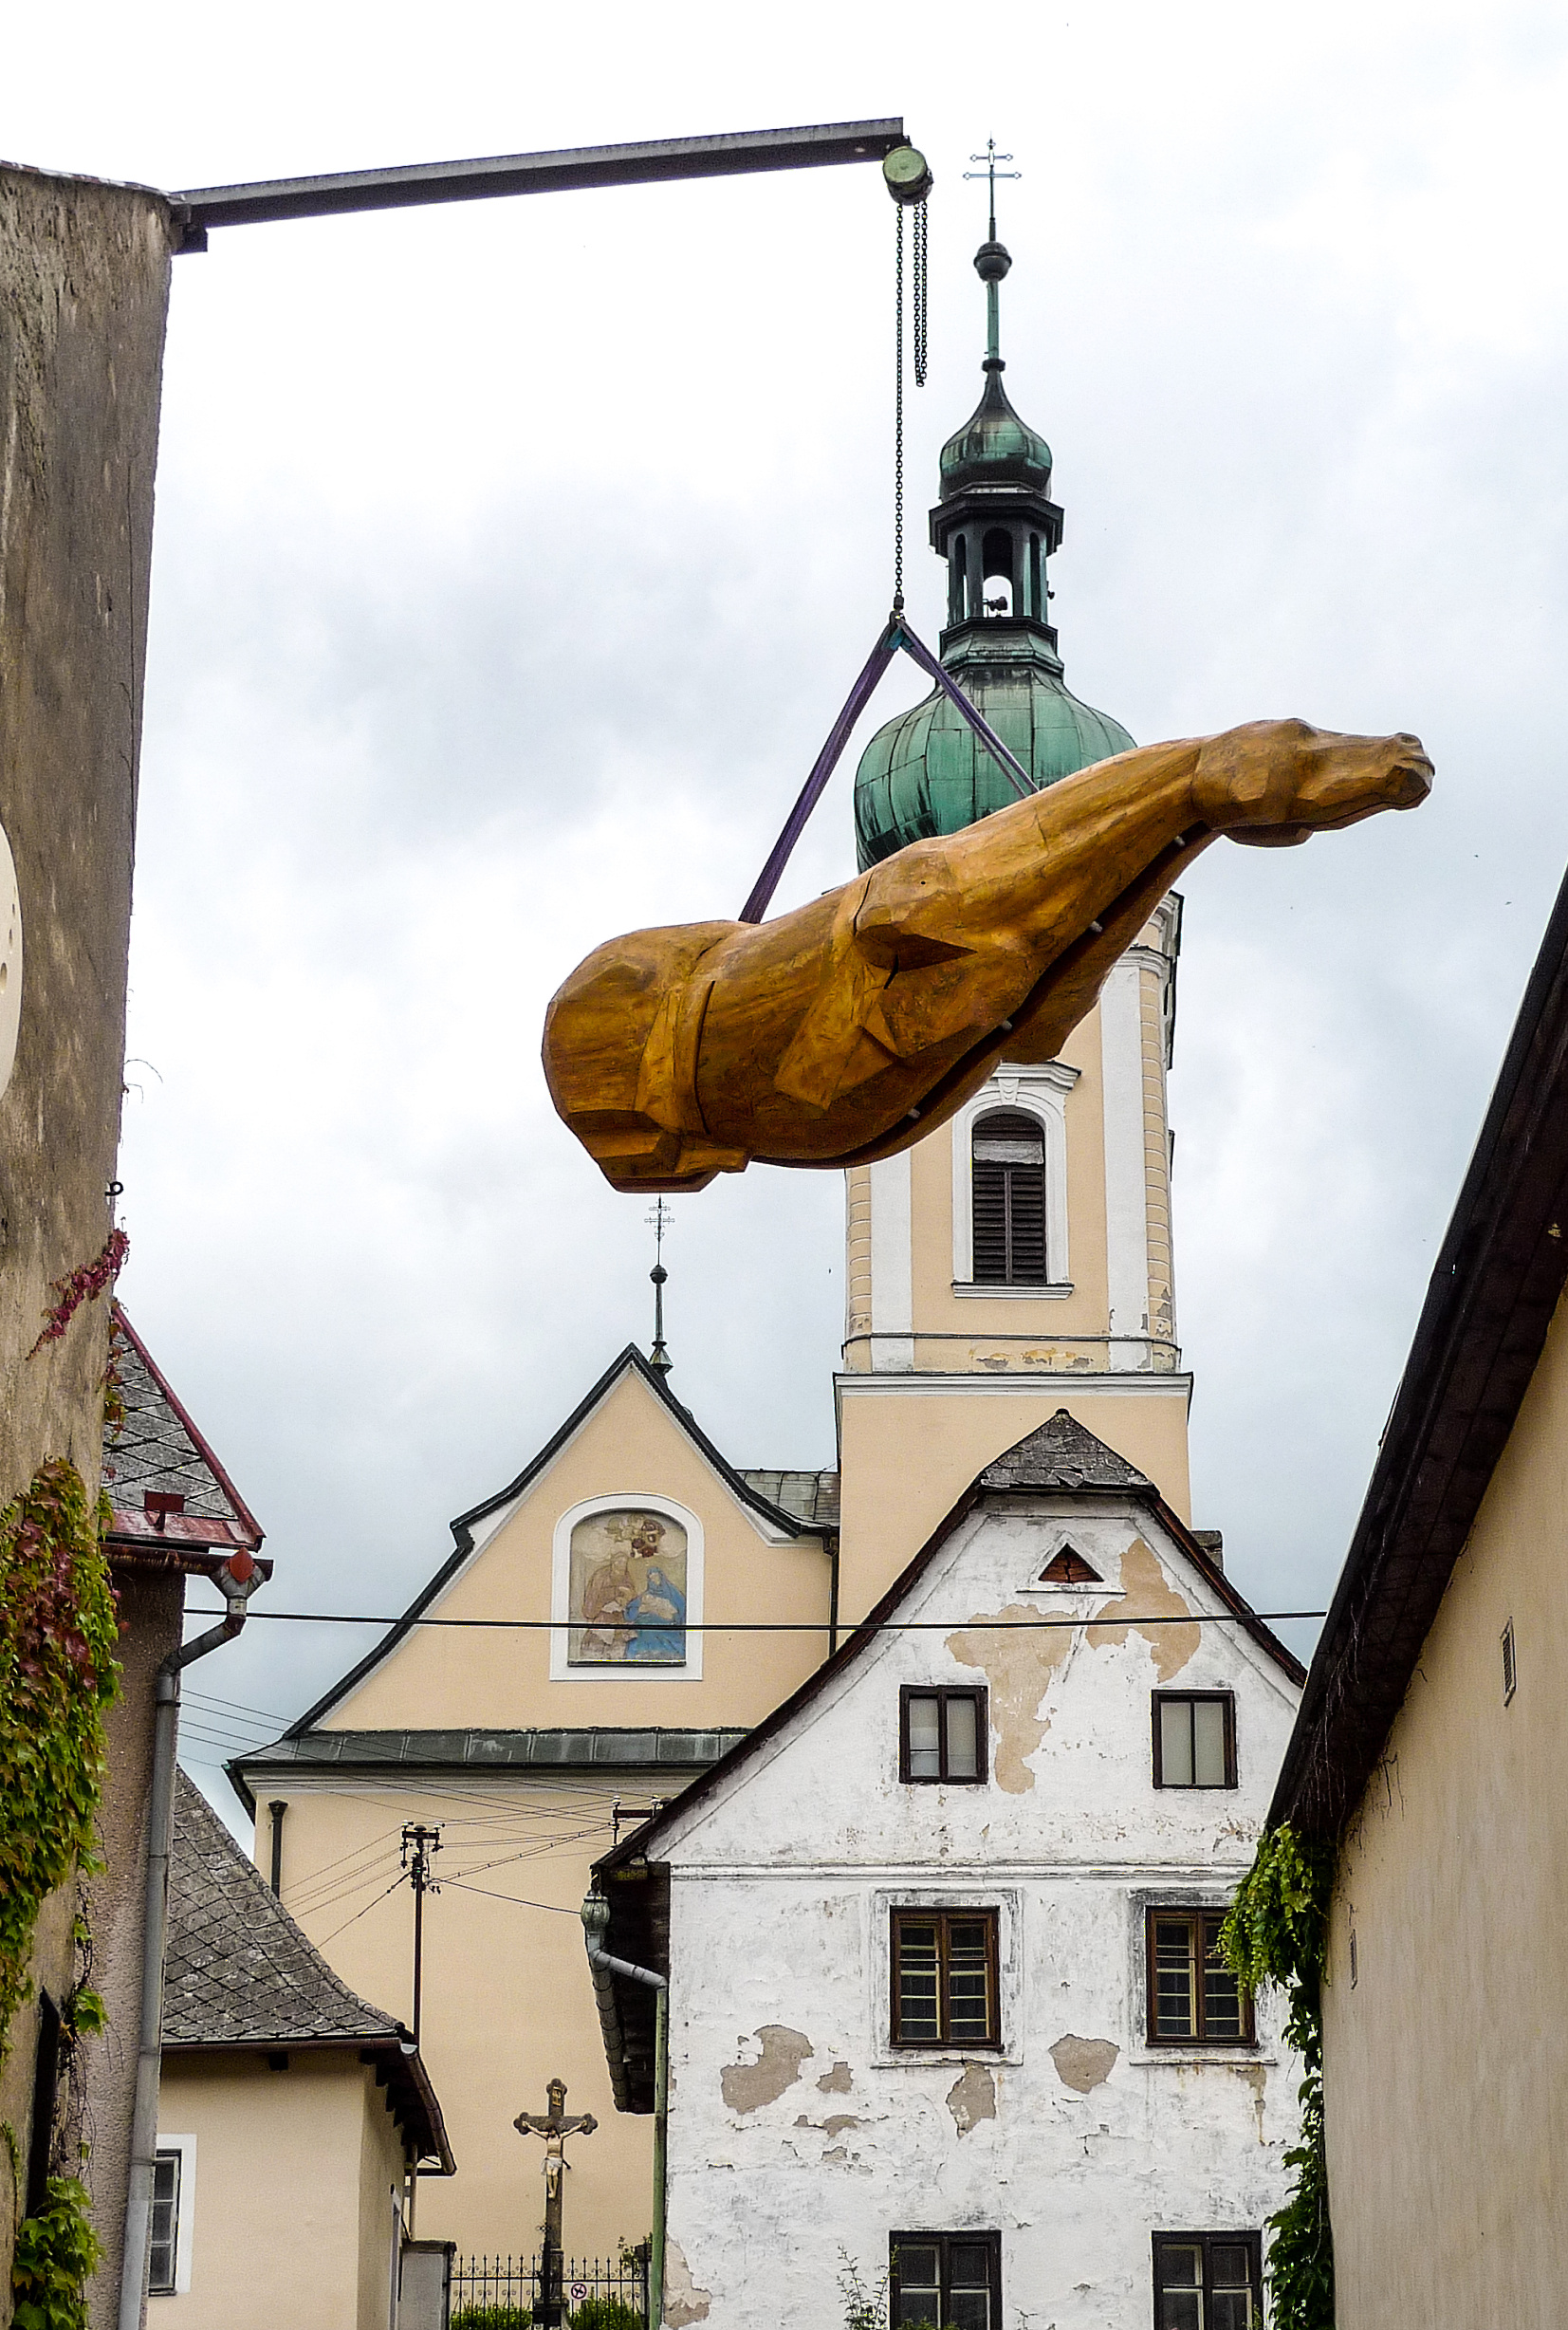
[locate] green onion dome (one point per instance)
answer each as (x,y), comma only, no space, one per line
(928,773)
(995,447)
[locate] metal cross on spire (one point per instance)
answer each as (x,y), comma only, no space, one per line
(991,158)
(658,1221)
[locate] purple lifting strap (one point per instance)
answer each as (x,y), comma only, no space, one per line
(897,635)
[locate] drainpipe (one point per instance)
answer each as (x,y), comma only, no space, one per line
(595,1917)
(277,1808)
(237,1580)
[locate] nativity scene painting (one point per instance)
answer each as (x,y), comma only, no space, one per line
(628,1591)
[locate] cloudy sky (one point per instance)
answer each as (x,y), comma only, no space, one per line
(512,559)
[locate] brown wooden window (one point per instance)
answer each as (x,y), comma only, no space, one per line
(1194,1739)
(1009,1196)
(945,2277)
(944,1979)
(1192,1994)
(941,1734)
(1207,2282)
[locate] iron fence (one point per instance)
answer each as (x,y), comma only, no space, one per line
(505,2293)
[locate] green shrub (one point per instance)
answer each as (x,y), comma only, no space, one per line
(493,2318)
(605,2314)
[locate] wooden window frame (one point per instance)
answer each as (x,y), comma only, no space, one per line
(940,1692)
(1251,2242)
(1188,1787)
(170,2287)
(940,2241)
(941,1919)
(1198,2038)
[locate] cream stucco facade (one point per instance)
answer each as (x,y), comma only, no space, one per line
(1445,2052)
(939,1374)
(291,2185)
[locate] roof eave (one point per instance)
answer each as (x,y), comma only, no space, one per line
(418,2100)
(1494,1290)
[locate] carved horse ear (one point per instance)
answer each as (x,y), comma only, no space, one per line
(1068,1568)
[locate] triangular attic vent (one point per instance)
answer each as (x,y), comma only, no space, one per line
(1068,1568)
(1059,1453)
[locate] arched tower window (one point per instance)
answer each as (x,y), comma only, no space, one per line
(1009,1199)
(996,562)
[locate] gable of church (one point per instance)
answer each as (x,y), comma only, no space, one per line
(583,1594)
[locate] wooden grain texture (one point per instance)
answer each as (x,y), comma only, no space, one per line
(845,1030)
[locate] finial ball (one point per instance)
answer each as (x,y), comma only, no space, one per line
(992,262)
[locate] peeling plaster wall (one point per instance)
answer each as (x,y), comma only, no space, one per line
(796,2131)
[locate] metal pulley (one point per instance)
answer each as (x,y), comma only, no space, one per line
(907,174)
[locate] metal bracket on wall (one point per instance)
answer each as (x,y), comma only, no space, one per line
(565,170)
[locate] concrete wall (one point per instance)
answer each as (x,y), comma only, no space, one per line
(295,2173)
(83,288)
(1447,2054)
(798,2133)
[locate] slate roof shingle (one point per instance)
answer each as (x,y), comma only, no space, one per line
(812,1497)
(1061,1454)
(238,1970)
(158,1449)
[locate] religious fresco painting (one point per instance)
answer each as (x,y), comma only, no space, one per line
(627,1590)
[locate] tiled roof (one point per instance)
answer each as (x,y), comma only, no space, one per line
(1059,1453)
(812,1497)
(157,1451)
(238,1970)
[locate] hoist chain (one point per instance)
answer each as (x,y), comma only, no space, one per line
(919,274)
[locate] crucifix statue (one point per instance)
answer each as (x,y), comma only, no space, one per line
(554,2126)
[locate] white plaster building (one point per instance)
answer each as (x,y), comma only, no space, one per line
(965,2022)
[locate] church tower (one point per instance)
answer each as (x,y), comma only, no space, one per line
(1018,1260)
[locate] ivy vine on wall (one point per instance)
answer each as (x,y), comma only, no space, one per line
(59,1628)
(1275,1935)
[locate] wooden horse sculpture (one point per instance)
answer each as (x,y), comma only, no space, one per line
(845,1030)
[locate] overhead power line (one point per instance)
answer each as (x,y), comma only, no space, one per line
(786,1626)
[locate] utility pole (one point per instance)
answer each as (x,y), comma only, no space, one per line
(420,1846)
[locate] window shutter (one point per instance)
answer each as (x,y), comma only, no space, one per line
(1008,1200)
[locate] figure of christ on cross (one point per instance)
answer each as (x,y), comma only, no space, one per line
(554,2126)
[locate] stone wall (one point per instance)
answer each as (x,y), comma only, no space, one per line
(83,294)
